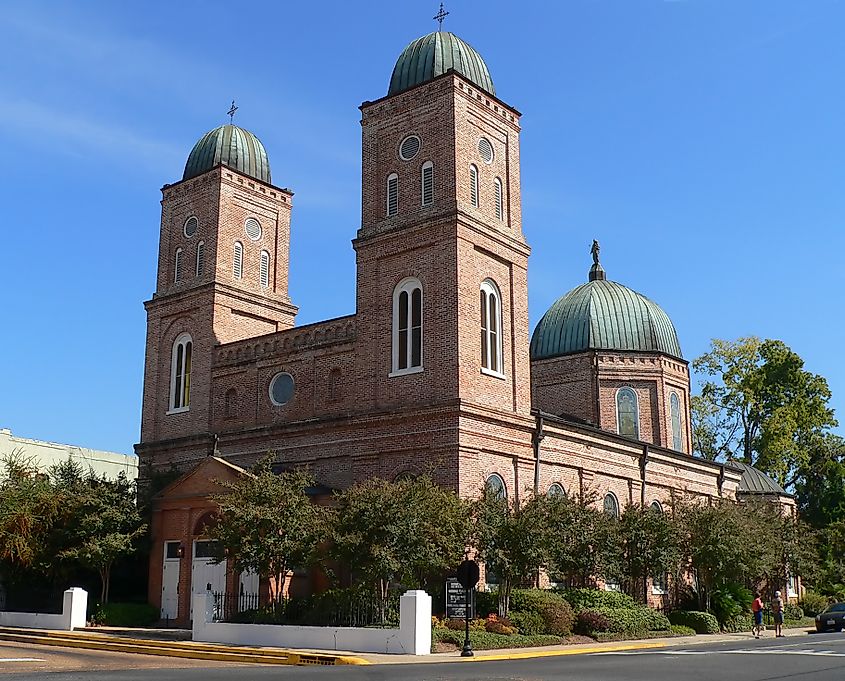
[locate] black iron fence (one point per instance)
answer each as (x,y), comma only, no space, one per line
(335,608)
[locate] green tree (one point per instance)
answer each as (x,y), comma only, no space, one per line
(28,509)
(403,531)
(512,539)
(268,523)
(583,542)
(649,547)
(100,520)
(759,406)
(821,488)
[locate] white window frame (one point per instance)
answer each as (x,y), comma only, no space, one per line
(200,263)
(618,510)
(177,266)
(677,433)
(473,185)
(504,487)
(498,191)
(186,343)
(238,260)
(636,411)
(407,286)
(428,165)
(391,207)
(185,226)
(491,349)
(264,269)
(556,486)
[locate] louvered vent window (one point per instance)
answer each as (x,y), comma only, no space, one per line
(265,269)
(392,195)
(500,211)
(473,185)
(238,261)
(177,265)
(200,258)
(252,227)
(427,183)
(409,148)
(485,150)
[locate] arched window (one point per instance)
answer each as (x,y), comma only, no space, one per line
(500,204)
(238,261)
(407,326)
(427,182)
(495,486)
(392,194)
(675,418)
(656,506)
(627,413)
(473,185)
(611,505)
(200,258)
(556,490)
(180,373)
(264,273)
(231,402)
(177,265)
(491,327)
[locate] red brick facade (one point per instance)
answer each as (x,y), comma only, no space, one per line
(351,415)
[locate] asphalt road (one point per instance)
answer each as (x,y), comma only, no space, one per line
(812,658)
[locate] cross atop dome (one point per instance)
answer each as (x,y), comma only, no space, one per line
(439,17)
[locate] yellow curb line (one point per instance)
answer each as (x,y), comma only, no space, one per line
(255,657)
(557,653)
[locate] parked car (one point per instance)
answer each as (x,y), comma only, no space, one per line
(832,619)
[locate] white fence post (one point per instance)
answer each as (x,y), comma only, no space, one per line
(415,622)
(75,608)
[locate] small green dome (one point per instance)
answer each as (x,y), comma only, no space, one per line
(232,146)
(604,315)
(434,54)
(755,481)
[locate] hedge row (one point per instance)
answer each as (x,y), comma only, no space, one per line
(482,640)
(674,630)
(701,622)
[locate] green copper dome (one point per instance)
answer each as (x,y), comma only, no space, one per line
(433,55)
(603,315)
(232,146)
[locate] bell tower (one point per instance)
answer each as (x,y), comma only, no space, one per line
(222,276)
(442,261)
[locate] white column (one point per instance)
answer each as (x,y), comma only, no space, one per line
(74,608)
(415,622)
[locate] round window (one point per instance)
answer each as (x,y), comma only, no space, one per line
(409,148)
(281,388)
(252,227)
(485,149)
(191,225)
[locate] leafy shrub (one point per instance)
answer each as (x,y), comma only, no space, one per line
(581,599)
(681,630)
(126,614)
(485,603)
(589,622)
(640,618)
(483,640)
(528,623)
(814,603)
(459,624)
(499,625)
(730,601)
(556,613)
(791,611)
(738,624)
(700,622)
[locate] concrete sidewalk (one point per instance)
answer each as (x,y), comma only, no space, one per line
(176,643)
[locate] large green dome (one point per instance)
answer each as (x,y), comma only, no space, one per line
(434,54)
(603,315)
(232,146)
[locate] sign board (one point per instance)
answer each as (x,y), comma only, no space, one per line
(456,600)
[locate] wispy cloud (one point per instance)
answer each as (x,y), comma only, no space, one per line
(81,135)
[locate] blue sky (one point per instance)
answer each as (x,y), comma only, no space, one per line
(701,141)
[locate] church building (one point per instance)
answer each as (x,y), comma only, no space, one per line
(436,370)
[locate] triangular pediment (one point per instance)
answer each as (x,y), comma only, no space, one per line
(200,481)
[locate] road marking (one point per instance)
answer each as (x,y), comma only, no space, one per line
(21,659)
(761,651)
